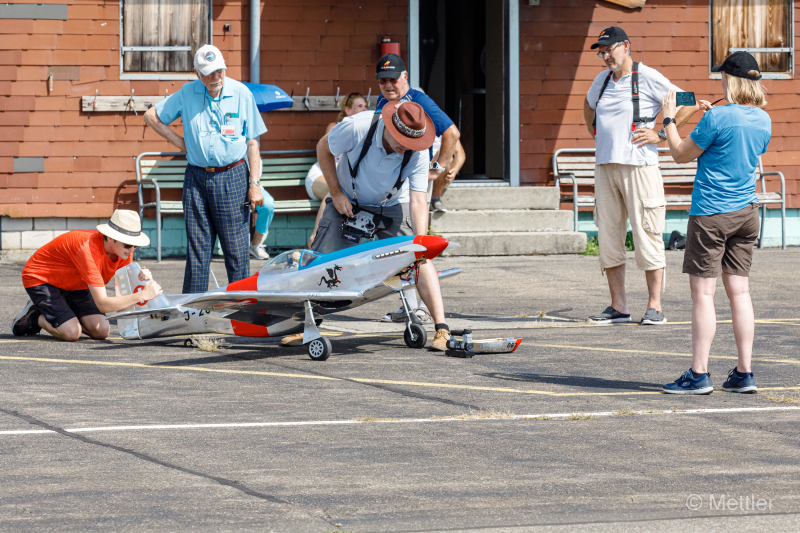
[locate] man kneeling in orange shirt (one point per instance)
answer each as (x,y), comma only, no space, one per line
(66,280)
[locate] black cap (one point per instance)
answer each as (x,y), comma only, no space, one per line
(739,64)
(610,36)
(389,66)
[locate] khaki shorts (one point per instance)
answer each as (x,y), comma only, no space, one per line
(721,243)
(632,192)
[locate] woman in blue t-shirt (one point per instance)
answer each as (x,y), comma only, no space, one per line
(723,219)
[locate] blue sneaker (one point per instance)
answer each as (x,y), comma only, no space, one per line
(746,384)
(686,384)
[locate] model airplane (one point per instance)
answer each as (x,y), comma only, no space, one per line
(288,294)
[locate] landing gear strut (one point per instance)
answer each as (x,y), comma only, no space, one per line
(415,335)
(319,348)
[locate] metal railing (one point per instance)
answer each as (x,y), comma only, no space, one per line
(157,204)
(761,178)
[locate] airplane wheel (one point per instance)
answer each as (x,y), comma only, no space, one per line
(188,343)
(416,338)
(319,349)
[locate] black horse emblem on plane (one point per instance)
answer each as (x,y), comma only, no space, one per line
(332,279)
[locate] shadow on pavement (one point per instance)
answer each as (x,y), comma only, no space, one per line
(573,381)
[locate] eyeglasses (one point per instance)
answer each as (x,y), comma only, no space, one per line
(384,81)
(128,246)
(602,55)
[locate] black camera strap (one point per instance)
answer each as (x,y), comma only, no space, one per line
(634,97)
(364,149)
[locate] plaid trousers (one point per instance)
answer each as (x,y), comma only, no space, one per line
(215,204)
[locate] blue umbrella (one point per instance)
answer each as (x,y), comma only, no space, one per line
(269,97)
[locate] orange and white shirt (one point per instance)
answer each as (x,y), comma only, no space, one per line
(72,262)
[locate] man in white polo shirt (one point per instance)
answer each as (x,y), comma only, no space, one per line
(620,111)
(382,174)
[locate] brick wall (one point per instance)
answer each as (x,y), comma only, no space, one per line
(557,68)
(88,165)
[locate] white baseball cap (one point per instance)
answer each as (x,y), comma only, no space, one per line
(207,59)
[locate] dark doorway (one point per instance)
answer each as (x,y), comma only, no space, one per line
(462,58)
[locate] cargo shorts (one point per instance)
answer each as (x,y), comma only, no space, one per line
(632,192)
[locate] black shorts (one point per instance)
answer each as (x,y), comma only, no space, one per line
(58,306)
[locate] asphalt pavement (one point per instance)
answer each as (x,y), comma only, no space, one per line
(568,433)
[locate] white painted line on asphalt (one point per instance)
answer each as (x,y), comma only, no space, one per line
(465,418)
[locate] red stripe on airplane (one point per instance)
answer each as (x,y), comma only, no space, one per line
(246,284)
(243,329)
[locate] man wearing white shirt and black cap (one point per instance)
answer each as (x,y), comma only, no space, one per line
(620,112)
(382,174)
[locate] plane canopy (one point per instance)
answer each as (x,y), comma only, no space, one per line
(291,260)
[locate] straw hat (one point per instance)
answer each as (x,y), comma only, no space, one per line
(408,123)
(125,227)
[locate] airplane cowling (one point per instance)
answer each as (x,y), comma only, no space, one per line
(434,244)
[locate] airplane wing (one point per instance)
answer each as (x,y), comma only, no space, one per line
(256,301)
(246,302)
(164,313)
(449,272)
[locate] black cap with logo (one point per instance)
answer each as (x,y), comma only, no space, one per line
(610,36)
(390,66)
(739,64)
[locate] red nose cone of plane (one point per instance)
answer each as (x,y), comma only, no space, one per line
(433,243)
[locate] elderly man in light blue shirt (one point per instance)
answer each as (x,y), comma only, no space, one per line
(221,126)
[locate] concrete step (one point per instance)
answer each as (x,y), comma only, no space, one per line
(501,198)
(484,220)
(517,243)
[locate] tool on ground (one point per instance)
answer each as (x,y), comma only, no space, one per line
(466,347)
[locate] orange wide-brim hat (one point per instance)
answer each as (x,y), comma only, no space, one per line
(409,125)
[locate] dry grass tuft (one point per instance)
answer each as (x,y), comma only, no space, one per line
(477,415)
(205,344)
(484,415)
(579,416)
(542,314)
(522,315)
(624,412)
(372,419)
(789,397)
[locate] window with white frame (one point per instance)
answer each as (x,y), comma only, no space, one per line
(158,38)
(762,27)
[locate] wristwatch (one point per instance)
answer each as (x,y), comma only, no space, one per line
(255,183)
(662,134)
(437,167)
(668,121)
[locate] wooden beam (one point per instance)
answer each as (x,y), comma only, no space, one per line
(119,104)
(323,103)
(140,104)
(629,3)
